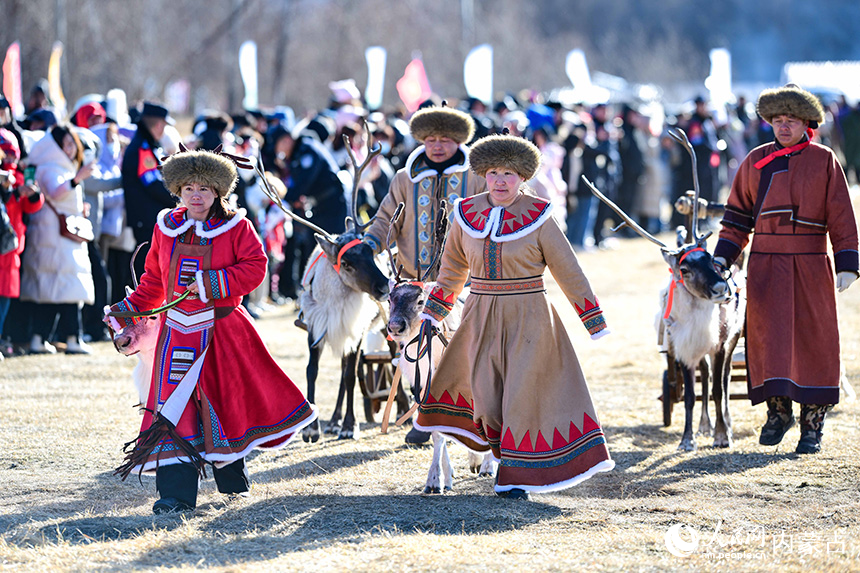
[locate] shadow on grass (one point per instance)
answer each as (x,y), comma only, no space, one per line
(263,530)
(637,475)
(318,465)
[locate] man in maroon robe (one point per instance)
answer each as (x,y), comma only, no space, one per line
(791,195)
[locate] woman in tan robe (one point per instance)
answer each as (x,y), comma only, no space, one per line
(509,380)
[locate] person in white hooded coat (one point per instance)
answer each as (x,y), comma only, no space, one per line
(55,271)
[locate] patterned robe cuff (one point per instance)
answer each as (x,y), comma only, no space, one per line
(591,316)
(123,306)
(373,243)
(438,305)
(727,250)
(213,285)
(846,261)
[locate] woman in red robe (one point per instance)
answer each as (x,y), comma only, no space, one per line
(216,392)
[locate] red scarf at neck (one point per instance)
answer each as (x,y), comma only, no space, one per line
(785,150)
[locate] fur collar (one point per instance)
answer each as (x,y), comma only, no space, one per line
(417,168)
(479,219)
(173,222)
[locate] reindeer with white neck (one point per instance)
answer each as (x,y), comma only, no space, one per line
(419,357)
(703,317)
(342,289)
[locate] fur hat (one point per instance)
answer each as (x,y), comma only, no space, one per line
(443,122)
(790,100)
(508,151)
(202,167)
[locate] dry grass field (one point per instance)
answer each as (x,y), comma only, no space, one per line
(357,505)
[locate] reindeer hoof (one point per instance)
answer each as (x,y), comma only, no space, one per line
(333,428)
(486,474)
(705,431)
(432,490)
(348,433)
(312,437)
(687,445)
(311,432)
(722,441)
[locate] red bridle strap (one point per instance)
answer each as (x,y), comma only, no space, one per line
(343,250)
(340,253)
(680,279)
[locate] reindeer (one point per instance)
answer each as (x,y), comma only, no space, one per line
(138,339)
(340,301)
(702,316)
(406,301)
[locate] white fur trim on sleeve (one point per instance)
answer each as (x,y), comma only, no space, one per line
(201,287)
(433,321)
(600,334)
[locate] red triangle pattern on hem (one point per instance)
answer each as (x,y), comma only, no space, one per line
(446,398)
(539,444)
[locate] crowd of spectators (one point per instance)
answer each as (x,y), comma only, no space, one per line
(101,162)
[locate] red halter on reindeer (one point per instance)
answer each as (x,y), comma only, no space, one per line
(701,316)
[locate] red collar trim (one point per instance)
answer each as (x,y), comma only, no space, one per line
(785,150)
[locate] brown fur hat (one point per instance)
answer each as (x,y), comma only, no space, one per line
(508,151)
(202,167)
(790,100)
(442,122)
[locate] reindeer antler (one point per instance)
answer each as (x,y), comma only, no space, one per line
(357,170)
(276,199)
(240,161)
(680,136)
(441,236)
(395,271)
(627,220)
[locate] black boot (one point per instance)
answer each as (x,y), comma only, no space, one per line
(233,479)
(811,426)
(177,487)
(416,437)
(779,420)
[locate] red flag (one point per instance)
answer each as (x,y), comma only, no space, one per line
(12,79)
(413,87)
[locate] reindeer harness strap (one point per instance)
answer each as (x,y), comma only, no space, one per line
(675,281)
